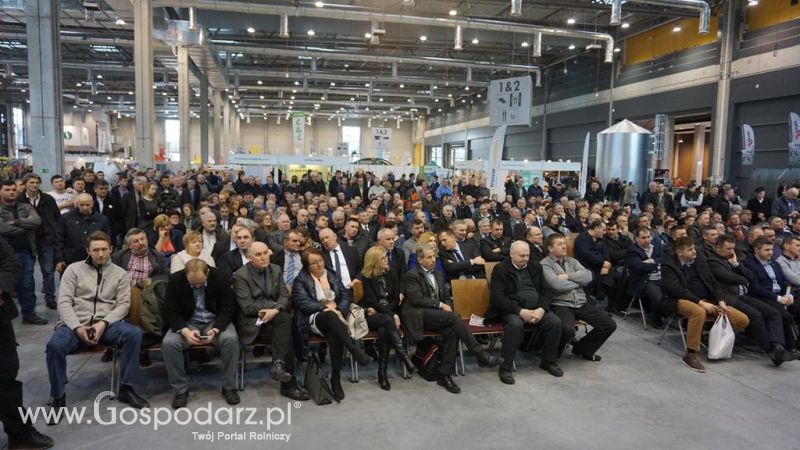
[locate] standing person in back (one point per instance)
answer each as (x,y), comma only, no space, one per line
(18,223)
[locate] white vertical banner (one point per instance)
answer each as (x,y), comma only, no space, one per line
(585,164)
(794,140)
(298,132)
(495,156)
(381,141)
(748,145)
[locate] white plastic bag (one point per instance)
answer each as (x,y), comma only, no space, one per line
(721,339)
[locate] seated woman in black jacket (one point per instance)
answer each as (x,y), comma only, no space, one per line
(321,303)
(381,299)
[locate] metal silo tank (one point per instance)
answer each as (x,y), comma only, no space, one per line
(623,151)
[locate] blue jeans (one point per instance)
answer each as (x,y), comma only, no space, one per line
(25,285)
(64,341)
(47,263)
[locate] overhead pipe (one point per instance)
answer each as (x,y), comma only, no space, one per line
(420,60)
(458,38)
(284,33)
(357,78)
(537,45)
(696,5)
(367,16)
(516,8)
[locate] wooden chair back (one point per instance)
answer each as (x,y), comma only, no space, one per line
(470,297)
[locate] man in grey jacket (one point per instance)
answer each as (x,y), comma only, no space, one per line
(93,301)
(18,222)
(567,278)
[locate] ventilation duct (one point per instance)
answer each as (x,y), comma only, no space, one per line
(284,28)
(516,8)
(537,45)
(458,38)
(366,16)
(697,5)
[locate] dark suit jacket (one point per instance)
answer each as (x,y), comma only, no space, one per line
(131,209)
(519,231)
(179,302)
(157,261)
(112,209)
(397,262)
(229,262)
(455,268)
(729,278)
(675,285)
(590,253)
(761,283)
(351,258)
(220,248)
(638,270)
(765,207)
(420,295)
(504,290)
(489,244)
(255,292)
(537,253)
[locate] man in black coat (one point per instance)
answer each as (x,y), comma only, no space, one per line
(73,229)
(110,207)
(428,307)
(592,253)
(644,276)
(45,205)
(230,262)
(397,259)
(766,327)
(341,259)
(199,308)
(760,205)
(519,297)
(459,260)
(691,289)
(535,239)
(21,434)
(496,246)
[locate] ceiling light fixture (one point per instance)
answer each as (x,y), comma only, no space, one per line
(423,38)
(625,25)
(475,41)
(524,44)
(571,21)
(260,82)
(120,22)
(310,32)
(319,4)
(571,46)
(402,85)
(617,50)
(676,29)
(453,12)
(251,30)
(368,35)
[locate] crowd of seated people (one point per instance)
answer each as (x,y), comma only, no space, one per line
(250,261)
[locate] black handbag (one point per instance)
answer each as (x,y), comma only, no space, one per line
(316,382)
(426,359)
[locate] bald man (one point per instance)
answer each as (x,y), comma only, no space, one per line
(73,229)
(263,300)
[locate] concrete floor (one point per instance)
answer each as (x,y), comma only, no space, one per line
(639,396)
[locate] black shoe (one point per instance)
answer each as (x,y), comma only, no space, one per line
(259,350)
(108,355)
(127,395)
(594,357)
(486,359)
(180,400)
(446,381)
(613,311)
(295,392)
(30,440)
(278,372)
(655,321)
(336,386)
(144,359)
(231,396)
(383,379)
(55,405)
(552,368)
(506,376)
(779,355)
(52,305)
(33,319)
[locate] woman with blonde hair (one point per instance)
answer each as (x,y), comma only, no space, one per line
(193,243)
(381,301)
(168,240)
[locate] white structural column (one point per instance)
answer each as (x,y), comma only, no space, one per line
(184,99)
(237,122)
(217,126)
(226,128)
(44,77)
(721,113)
(203,120)
(699,150)
(143,67)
